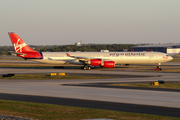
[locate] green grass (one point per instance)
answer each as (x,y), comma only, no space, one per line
(19,65)
(171,70)
(147,85)
(164,69)
(48,76)
(58,112)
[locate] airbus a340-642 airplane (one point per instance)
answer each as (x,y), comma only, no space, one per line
(87,59)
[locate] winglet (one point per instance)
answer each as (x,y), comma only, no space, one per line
(68,54)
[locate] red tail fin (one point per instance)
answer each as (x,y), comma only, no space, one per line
(22,49)
(19,45)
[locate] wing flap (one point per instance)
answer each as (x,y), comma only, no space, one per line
(85,59)
(81,58)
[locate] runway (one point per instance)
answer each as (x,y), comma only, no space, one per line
(53,88)
(147,100)
(135,108)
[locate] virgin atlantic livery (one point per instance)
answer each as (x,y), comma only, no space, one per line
(87,59)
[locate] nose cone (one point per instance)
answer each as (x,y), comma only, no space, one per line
(170,58)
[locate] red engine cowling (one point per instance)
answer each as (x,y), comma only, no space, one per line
(109,64)
(96,62)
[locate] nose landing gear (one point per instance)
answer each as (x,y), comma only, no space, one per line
(158,67)
(86,67)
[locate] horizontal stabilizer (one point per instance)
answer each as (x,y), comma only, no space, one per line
(12,52)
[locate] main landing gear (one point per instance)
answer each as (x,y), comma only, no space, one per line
(86,67)
(158,67)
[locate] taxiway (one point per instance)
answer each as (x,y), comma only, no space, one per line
(152,100)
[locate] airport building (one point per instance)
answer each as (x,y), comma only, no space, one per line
(78,44)
(170,48)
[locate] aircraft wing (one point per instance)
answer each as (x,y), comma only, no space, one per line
(81,58)
(84,59)
(91,61)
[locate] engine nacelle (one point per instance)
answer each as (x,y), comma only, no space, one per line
(96,62)
(109,64)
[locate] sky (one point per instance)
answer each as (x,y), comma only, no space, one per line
(62,22)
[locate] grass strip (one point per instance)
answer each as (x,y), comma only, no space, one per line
(147,85)
(43,111)
(25,65)
(48,76)
(171,70)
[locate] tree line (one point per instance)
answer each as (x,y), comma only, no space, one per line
(89,48)
(4,50)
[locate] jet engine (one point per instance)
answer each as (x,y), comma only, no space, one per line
(109,64)
(95,62)
(99,62)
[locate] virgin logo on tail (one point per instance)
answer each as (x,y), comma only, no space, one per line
(18,47)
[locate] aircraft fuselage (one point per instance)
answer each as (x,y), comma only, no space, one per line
(118,57)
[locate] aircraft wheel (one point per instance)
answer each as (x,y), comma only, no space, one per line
(89,67)
(159,67)
(86,67)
